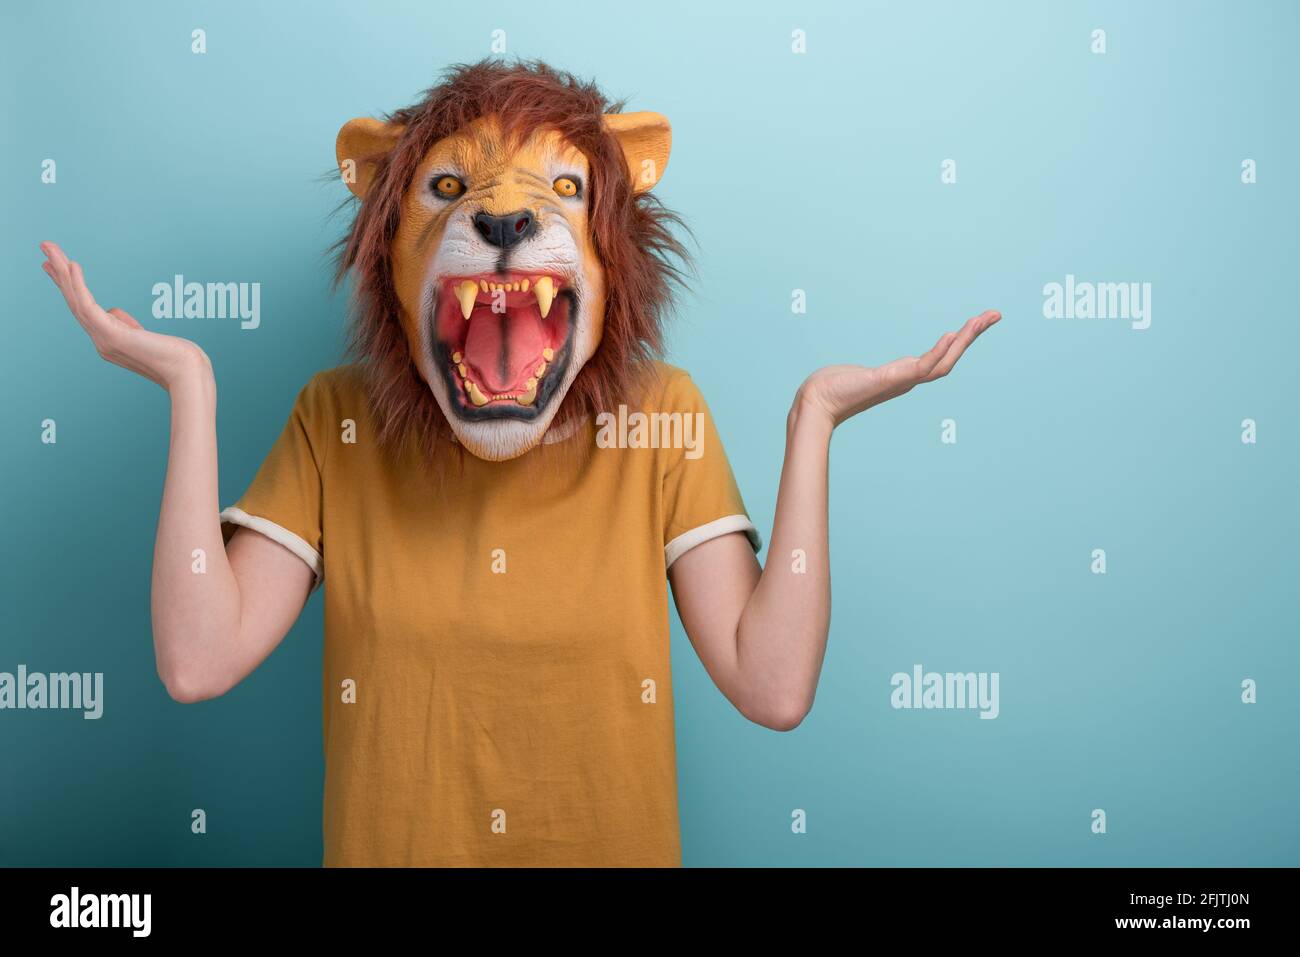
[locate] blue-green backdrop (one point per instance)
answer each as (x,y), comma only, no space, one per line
(818,171)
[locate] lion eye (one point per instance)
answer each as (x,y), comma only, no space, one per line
(448,187)
(566,186)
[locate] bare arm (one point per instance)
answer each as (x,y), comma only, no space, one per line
(211,628)
(761,633)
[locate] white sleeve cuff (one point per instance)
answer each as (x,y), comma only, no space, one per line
(280,535)
(684,542)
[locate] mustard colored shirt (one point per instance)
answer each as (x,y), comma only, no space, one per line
(497,686)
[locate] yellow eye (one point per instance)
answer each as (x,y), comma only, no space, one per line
(566,187)
(448,187)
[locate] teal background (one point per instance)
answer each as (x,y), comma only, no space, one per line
(819,172)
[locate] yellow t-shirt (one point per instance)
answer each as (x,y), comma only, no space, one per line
(497,686)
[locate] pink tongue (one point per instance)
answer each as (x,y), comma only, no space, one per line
(503,349)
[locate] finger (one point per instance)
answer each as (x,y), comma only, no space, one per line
(902,374)
(79,281)
(83,295)
(960,342)
(984,320)
(907,372)
(57,260)
(57,256)
(84,308)
(62,276)
(78,294)
(955,350)
(927,362)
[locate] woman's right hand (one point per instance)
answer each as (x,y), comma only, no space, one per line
(167,360)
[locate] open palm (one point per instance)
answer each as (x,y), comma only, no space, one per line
(845,390)
(117,336)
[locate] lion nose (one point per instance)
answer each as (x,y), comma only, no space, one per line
(504,231)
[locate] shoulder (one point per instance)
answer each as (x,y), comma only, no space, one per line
(671,388)
(341,389)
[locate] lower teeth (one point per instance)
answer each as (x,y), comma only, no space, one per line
(477,397)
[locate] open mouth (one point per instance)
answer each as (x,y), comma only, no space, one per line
(502,341)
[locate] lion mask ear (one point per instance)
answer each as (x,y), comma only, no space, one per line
(646,139)
(361,144)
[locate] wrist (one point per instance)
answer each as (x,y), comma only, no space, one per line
(191,377)
(809,415)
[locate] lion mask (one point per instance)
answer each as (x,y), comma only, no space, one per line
(506,255)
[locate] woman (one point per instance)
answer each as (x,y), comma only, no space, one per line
(495,491)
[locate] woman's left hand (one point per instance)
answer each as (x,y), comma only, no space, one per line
(841,392)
